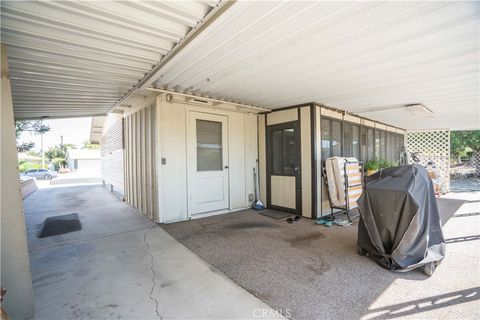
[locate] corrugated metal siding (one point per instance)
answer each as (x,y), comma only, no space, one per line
(112,157)
(349,55)
(139,162)
(113,139)
(73,58)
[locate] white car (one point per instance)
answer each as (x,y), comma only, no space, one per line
(41,174)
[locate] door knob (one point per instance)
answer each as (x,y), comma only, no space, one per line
(226,167)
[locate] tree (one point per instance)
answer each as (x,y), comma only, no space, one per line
(56,152)
(36,127)
(461,140)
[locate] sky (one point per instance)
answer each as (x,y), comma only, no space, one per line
(74,131)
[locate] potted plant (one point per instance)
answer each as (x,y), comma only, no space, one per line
(372,166)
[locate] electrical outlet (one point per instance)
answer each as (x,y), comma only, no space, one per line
(250,197)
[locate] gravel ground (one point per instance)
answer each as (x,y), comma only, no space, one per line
(308,271)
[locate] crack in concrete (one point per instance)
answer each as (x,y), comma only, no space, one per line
(152,269)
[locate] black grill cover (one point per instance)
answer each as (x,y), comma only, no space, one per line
(400,224)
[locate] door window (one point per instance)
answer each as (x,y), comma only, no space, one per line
(283,157)
(209,146)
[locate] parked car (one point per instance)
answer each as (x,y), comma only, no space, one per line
(41,174)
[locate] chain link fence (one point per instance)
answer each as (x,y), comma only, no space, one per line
(465,176)
(467,169)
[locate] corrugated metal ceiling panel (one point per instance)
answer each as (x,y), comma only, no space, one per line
(73,58)
(357,56)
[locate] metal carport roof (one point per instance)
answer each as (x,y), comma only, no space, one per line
(370,58)
(77,58)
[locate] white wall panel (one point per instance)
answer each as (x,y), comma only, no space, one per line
(174,172)
(318,138)
(236,160)
(140,161)
(112,145)
(262,158)
(112,171)
(251,153)
(306,161)
(282,116)
(283,192)
(242,146)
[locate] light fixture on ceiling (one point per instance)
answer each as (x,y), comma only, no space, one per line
(420,110)
(417,109)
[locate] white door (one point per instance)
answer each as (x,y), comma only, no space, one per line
(207,163)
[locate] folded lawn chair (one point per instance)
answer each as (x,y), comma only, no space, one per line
(343,178)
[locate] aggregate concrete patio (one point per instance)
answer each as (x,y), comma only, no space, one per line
(314,272)
(121,265)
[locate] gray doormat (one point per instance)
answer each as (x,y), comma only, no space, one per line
(59,225)
(275,214)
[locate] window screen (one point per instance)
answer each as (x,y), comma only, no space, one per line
(347,140)
(355,141)
(336,138)
(351,140)
(325,128)
(389,146)
(363,143)
(377,143)
(283,159)
(370,143)
(209,146)
(382,145)
(332,137)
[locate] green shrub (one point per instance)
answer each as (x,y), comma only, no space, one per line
(27,165)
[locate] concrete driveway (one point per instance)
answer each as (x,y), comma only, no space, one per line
(122,266)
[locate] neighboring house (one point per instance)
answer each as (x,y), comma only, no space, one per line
(84,160)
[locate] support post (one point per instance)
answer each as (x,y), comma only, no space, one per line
(14,263)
